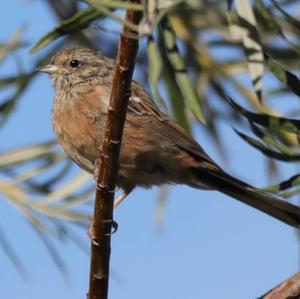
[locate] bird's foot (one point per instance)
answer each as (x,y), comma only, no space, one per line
(126,192)
(92,231)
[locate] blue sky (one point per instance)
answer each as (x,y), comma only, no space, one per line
(209,246)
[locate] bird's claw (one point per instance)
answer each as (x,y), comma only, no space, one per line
(114,226)
(92,234)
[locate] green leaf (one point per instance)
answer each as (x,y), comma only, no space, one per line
(80,20)
(108,13)
(12,254)
(53,252)
(267,151)
(177,103)
(116,4)
(27,154)
(284,76)
(269,121)
(11,80)
(14,43)
(271,141)
(291,193)
(252,44)
(292,182)
(271,22)
(167,7)
(268,17)
(178,106)
(155,69)
(290,19)
(8,105)
(180,72)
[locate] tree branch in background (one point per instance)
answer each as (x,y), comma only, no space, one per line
(290,288)
(109,158)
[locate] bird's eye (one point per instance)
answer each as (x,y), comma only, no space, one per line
(74,63)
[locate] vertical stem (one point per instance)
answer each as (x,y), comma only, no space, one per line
(109,158)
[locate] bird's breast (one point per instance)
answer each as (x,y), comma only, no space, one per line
(79,130)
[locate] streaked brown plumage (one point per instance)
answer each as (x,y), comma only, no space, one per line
(155,150)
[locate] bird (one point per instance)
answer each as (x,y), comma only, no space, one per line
(155,150)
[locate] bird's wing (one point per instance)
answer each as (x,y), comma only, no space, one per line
(141,105)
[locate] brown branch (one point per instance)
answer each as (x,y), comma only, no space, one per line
(109,158)
(288,289)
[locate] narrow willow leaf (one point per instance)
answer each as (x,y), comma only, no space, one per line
(15,193)
(272,142)
(78,241)
(8,105)
(57,166)
(19,197)
(290,19)
(180,72)
(59,176)
(206,82)
(267,151)
(280,90)
(31,172)
(62,214)
(34,219)
(284,76)
(291,193)
(12,254)
(292,182)
(13,44)
(269,121)
(218,88)
(167,7)
(79,21)
(74,184)
(8,81)
(78,200)
(268,17)
(27,153)
(272,23)
(53,252)
(116,4)
(155,69)
(177,102)
(108,12)
(252,44)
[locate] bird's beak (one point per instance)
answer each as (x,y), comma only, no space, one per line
(48,68)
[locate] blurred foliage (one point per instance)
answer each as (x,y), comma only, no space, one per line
(195,54)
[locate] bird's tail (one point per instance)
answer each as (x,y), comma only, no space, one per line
(271,205)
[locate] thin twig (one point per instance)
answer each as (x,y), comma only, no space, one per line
(290,288)
(103,211)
